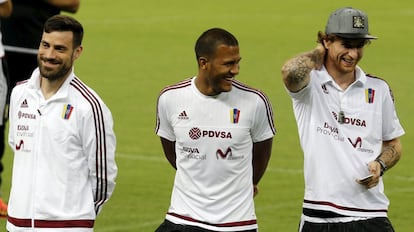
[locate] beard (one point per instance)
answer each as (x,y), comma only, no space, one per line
(54,74)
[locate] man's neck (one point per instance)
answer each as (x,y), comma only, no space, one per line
(50,88)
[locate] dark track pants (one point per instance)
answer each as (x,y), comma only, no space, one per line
(381,224)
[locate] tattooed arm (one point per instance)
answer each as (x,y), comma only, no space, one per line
(391,152)
(295,72)
(390,155)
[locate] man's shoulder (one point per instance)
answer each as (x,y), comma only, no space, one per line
(22,82)
(20,85)
(247,90)
(177,86)
(376,82)
(83,92)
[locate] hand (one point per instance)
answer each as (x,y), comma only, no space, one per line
(375,169)
(320,52)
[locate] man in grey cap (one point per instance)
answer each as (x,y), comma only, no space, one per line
(348,128)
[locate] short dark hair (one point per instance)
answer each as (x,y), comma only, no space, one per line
(208,41)
(65,23)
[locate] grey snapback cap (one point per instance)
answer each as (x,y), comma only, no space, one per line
(348,23)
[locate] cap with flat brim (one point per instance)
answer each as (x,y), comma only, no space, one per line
(355,36)
(349,23)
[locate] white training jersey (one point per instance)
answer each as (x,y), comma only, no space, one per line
(214,136)
(64,168)
(336,154)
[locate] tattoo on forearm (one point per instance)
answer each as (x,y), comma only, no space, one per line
(390,155)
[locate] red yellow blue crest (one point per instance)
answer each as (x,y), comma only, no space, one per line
(67,111)
(369,95)
(234,115)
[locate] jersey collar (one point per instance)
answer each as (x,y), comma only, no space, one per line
(325,78)
(34,84)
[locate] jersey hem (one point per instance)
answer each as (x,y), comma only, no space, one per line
(228,226)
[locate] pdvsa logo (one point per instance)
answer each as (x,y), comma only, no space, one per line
(352,121)
(195,133)
(20,115)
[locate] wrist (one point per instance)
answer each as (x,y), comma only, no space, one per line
(382,164)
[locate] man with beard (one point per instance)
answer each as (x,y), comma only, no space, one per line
(21,33)
(348,128)
(62,136)
(217,133)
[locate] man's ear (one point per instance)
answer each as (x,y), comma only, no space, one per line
(202,62)
(326,43)
(77,52)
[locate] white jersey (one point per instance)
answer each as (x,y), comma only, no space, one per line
(336,154)
(64,168)
(214,136)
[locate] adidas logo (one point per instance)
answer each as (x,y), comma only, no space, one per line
(24,104)
(183,115)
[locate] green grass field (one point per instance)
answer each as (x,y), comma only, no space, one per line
(132,49)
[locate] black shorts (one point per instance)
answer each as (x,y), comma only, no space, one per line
(380,224)
(168,226)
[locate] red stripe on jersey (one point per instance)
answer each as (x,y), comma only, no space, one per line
(379,78)
(22,82)
(228,224)
(82,223)
(343,207)
(101,172)
(263,96)
(179,85)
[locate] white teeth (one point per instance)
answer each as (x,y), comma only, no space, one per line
(347,60)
